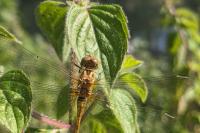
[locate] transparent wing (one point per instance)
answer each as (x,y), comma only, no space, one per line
(165,79)
(73,92)
(50,81)
(100,98)
(51,67)
(49,77)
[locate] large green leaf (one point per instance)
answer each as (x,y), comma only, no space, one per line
(118,116)
(6,35)
(108,121)
(50,17)
(99,30)
(15,101)
(130,63)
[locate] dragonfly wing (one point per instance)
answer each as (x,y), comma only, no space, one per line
(166,81)
(48,76)
(74,92)
(16,56)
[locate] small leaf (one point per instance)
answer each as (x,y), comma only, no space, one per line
(6,35)
(15,101)
(130,63)
(136,83)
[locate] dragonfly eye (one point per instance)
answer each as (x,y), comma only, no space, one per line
(89,62)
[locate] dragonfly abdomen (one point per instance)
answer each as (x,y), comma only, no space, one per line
(84,94)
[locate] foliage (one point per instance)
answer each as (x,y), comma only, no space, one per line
(179,53)
(184,49)
(101,26)
(104,27)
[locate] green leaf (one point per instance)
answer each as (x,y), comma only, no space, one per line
(62,103)
(93,126)
(6,35)
(99,30)
(15,101)
(111,34)
(50,17)
(124,109)
(108,121)
(130,63)
(136,83)
(119,117)
(175,41)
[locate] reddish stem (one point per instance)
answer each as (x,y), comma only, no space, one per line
(52,122)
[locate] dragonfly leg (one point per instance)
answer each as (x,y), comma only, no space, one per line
(75,64)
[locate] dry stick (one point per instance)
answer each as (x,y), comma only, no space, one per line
(52,122)
(172,11)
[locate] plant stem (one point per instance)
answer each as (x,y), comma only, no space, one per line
(172,10)
(52,122)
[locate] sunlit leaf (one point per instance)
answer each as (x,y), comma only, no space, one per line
(187,18)
(15,101)
(136,83)
(130,63)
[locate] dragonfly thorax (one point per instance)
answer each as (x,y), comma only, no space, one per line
(87,78)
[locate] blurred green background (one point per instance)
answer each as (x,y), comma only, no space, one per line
(164,34)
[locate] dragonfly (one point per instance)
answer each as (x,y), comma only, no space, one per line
(51,95)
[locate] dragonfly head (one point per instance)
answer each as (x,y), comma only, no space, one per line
(89,62)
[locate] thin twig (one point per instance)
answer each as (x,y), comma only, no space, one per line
(52,122)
